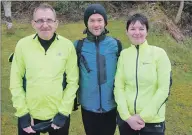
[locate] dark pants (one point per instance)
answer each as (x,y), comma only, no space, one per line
(125,129)
(99,123)
(62,131)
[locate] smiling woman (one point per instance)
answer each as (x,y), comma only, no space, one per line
(142,83)
(137,28)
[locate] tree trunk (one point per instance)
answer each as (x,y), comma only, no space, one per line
(178,17)
(7,9)
(174,31)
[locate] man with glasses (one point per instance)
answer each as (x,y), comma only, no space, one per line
(40,64)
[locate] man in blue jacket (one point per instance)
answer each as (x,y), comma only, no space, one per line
(97,58)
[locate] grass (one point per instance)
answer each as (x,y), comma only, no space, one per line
(179,105)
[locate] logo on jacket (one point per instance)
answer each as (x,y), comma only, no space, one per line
(59,54)
(144,63)
(157,126)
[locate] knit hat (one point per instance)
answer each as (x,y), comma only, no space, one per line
(94,9)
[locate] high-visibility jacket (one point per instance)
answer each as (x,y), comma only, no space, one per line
(44,95)
(142,82)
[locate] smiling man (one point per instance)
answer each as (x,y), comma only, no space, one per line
(40,62)
(97,58)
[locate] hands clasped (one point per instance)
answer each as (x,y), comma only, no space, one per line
(136,122)
(27,124)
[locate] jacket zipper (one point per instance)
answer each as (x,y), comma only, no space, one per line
(98,72)
(135,102)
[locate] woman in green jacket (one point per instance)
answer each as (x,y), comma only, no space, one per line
(141,83)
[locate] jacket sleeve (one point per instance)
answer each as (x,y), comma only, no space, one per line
(120,89)
(16,82)
(163,67)
(72,77)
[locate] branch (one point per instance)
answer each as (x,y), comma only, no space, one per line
(178,17)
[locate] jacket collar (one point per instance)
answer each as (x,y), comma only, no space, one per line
(141,46)
(92,37)
(57,36)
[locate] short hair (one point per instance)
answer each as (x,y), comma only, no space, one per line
(44,6)
(137,17)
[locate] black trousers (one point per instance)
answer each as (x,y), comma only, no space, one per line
(99,123)
(125,129)
(62,131)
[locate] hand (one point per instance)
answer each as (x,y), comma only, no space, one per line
(54,126)
(26,121)
(135,122)
(140,120)
(29,130)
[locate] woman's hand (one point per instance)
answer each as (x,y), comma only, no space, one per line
(135,122)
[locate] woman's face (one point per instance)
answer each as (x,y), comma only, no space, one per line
(137,33)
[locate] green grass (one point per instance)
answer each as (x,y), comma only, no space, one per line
(179,106)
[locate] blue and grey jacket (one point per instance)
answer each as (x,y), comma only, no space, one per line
(97,66)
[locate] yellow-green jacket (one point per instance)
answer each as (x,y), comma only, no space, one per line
(142,82)
(45,95)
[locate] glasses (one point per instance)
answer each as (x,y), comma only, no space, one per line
(48,21)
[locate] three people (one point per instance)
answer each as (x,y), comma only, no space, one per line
(41,62)
(37,77)
(97,67)
(141,83)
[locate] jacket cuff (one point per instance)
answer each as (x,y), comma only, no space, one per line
(25,120)
(124,116)
(59,119)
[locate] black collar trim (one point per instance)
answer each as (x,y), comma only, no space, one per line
(57,37)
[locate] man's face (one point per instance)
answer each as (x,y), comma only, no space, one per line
(45,23)
(96,24)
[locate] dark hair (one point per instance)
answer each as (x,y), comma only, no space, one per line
(137,17)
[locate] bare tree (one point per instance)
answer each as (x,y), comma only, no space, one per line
(7,9)
(178,17)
